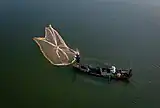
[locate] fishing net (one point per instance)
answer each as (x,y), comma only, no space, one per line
(54,48)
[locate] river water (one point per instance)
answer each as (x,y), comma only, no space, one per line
(122,32)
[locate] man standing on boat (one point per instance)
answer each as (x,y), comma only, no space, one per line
(77,57)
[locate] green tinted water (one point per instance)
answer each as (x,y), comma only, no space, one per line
(113,31)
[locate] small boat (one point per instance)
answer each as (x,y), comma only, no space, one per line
(105,71)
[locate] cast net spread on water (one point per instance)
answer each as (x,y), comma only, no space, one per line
(54,48)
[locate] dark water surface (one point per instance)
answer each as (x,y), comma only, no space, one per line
(115,31)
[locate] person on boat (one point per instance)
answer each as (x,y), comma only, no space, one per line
(118,75)
(113,69)
(130,72)
(77,58)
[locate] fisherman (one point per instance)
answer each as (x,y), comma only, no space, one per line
(77,57)
(118,75)
(113,69)
(130,72)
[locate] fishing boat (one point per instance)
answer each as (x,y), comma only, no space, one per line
(105,71)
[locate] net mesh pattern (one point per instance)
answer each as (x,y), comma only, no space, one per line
(54,48)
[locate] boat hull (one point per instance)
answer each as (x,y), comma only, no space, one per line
(84,69)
